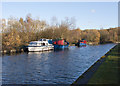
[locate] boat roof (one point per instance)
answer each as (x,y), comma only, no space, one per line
(39,42)
(44,39)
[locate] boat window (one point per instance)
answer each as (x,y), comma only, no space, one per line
(44,39)
(33,43)
(43,44)
(40,39)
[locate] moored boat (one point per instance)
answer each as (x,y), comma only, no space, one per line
(41,45)
(60,44)
(81,43)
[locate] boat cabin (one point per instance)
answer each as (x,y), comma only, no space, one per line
(41,42)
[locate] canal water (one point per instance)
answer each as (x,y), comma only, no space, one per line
(50,67)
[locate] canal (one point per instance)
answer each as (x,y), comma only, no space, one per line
(50,67)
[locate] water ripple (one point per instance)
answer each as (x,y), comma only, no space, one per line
(54,67)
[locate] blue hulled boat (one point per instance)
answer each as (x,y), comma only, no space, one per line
(60,44)
(81,43)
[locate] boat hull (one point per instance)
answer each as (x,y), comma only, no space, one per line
(80,44)
(60,46)
(39,48)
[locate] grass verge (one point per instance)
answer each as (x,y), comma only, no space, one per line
(108,72)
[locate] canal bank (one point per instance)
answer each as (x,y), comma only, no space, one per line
(104,71)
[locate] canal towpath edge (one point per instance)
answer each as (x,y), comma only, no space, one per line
(89,75)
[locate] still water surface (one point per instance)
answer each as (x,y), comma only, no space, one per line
(53,67)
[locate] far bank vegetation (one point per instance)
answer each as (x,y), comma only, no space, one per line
(17,33)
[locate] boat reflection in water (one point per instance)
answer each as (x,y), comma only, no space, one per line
(29,53)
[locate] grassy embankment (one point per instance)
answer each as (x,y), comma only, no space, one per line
(108,72)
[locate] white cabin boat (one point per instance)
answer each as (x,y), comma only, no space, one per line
(41,45)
